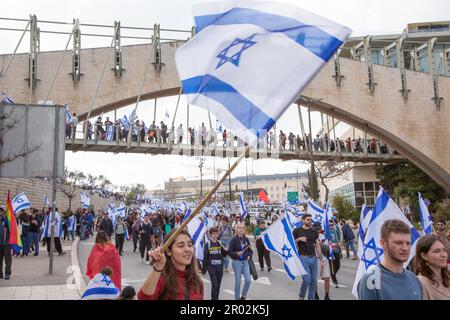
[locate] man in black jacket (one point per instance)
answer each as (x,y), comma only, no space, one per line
(5,247)
(106,224)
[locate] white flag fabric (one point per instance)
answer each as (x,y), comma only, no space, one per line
(425,217)
(279,239)
(20,202)
(249,60)
(121,210)
(364,220)
(315,211)
(47,202)
(197,230)
(385,209)
(85,200)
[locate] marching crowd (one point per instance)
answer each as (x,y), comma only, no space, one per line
(229,242)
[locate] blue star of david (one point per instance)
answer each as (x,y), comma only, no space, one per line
(319,217)
(19,201)
(235,58)
(378,253)
(105,280)
(286,252)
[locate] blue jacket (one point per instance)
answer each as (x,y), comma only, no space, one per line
(4,232)
(347,233)
(235,246)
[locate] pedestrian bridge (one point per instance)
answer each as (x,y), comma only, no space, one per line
(215,150)
(377,84)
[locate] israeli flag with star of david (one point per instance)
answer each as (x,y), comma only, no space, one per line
(20,202)
(385,209)
(249,60)
(197,230)
(425,217)
(279,239)
(315,211)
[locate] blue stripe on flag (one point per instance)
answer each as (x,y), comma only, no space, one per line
(315,207)
(22,207)
(249,115)
(310,37)
(380,205)
(197,232)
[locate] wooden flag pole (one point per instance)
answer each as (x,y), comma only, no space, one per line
(203,202)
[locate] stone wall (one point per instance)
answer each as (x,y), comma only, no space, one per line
(37,189)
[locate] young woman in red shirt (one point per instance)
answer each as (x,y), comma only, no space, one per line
(174,274)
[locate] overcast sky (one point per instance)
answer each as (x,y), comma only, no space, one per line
(363,17)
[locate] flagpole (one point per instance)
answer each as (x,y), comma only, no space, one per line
(204,201)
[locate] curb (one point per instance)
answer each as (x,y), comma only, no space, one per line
(79,280)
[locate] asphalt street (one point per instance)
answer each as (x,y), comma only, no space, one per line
(269,286)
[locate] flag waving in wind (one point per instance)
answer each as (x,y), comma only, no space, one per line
(279,239)
(14,236)
(425,217)
(249,60)
(242,207)
(20,202)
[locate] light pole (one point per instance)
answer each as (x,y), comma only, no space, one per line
(229,179)
(201,176)
(246,175)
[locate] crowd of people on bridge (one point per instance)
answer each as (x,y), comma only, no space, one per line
(207,136)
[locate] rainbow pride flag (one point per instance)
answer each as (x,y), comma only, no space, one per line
(14,236)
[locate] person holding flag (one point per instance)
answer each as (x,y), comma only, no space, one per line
(308,245)
(233,77)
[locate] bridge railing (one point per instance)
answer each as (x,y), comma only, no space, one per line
(172,140)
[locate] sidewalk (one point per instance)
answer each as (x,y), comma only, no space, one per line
(30,279)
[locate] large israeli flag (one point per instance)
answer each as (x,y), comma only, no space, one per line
(197,230)
(249,60)
(364,220)
(242,207)
(279,239)
(425,217)
(20,202)
(85,200)
(315,211)
(385,209)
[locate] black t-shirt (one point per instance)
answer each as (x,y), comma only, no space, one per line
(308,248)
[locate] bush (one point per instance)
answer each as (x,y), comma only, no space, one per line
(345,210)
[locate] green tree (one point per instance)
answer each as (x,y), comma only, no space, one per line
(345,210)
(134,190)
(405,180)
(312,189)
